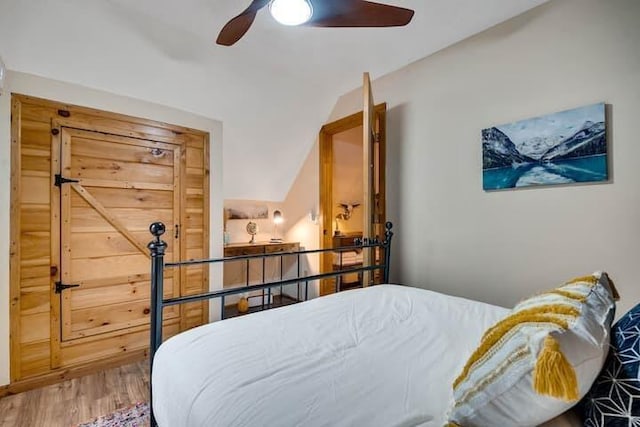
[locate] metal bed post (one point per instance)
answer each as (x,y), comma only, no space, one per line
(298,269)
(281,275)
(156,248)
(388,235)
(263,277)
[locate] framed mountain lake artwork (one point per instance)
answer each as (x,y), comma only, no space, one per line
(560,148)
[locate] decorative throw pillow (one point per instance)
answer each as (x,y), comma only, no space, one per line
(539,360)
(614,398)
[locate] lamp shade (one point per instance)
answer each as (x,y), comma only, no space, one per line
(277,217)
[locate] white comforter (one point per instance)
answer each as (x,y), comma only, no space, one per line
(381,356)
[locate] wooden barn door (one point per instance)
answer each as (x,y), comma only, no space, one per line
(117,186)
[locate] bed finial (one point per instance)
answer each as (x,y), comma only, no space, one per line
(157,229)
(388,234)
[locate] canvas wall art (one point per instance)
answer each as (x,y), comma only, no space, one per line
(560,148)
(246,211)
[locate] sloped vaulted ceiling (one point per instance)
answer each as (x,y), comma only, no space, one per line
(272,90)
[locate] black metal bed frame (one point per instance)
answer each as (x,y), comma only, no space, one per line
(157,247)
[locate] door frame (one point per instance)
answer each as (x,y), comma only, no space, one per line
(325,140)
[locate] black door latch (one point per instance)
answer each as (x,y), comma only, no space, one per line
(62,180)
(61,287)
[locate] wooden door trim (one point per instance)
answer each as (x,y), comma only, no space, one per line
(206,219)
(88,130)
(174,131)
(368,141)
(14,248)
(325,141)
(55,327)
(382,140)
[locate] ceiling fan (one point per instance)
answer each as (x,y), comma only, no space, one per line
(317,13)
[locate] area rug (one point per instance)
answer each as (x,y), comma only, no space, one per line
(132,416)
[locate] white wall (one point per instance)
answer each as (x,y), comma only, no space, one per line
(499,247)
(44,88)
(300,206)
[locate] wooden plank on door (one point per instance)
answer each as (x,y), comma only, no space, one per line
(368,139)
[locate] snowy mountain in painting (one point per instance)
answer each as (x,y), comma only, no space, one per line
(499,151)
(588,141)
(538,145)
(534,137)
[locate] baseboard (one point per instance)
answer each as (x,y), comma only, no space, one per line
(69,373)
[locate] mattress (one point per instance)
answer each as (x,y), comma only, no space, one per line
(380,356)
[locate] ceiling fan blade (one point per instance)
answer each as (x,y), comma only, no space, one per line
(238,26)
(357,13)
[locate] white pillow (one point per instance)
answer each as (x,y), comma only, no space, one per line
(538,361)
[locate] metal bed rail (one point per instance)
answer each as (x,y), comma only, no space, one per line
(157,248)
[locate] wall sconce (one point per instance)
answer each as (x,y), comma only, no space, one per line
(277,219)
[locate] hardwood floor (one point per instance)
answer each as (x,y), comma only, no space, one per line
(78,400)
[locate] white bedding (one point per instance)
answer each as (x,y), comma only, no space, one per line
(380,356)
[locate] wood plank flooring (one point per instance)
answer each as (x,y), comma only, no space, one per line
(78,400)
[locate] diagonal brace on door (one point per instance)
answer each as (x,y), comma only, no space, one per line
(111,219)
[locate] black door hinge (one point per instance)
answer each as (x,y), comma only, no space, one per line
(62,180)
(61,287)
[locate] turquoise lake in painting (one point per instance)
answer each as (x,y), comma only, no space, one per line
(581,169)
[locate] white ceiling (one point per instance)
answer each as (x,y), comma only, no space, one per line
(272,90)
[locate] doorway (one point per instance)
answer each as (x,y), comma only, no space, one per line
(343,196)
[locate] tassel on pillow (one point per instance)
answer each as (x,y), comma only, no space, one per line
(554,376)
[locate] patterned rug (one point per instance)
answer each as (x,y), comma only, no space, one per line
(132,416)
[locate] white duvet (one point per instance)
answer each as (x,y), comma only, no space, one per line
(380,356)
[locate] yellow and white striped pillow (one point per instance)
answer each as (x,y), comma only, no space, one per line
(539,360)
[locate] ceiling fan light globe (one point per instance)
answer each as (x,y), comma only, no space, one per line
(291,12)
